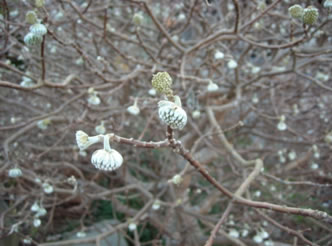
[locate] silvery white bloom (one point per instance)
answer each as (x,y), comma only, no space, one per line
(177,179)
(198,191)
(138,19)
(43,124)
(48,189)
(15,172)
(316,151)
(156,205)
(292,155)
(268,243)
(35,207)
(152,92)
(212,86)
(175,38)
(282,125)
(258,193)
(181,17)
(132,226)
(196,114)
(134,109)
(244,233)
(232,64)
(273,188)
(31,39)
(93,99)
(37,180)
(172,113)
(79,61)
(234,233)
(36,222)
(106,159)
(322,76)
(80,234)
(84,141)
(258,239)
(100,129)
(255,99)
(328,138)
(40,212)
(219,55)
(27,82)
(314,166)
(83,153)
(53,49)
(255,69)
(328,4)
(38,29)
(264,234)
(296,109)
(27,240)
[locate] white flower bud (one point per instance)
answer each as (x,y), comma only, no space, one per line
(100,129)
(212,86)
(15,172)
(138,19)
(177,179)
(232,64)
(172,114)
(107,159)
(48,189)
(244,233)
(282,126)
(156,205)
(258,239)
(84,141)
(134,109)
(196,114)
(41,212)
(94,99)
(234,233)
(35,207)
(36,222)
(132,226)
(152,92)
(219,55)
(292,155)
(43,124)
(80,234)
(27,82)
(314,166)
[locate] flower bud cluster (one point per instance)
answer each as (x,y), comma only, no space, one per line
(36,31)
(106,159)
(308,15)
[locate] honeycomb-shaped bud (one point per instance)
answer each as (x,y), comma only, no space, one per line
(162,82)
(32,39)
(172,114)
(296,11)
(38,29)
(310,15)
